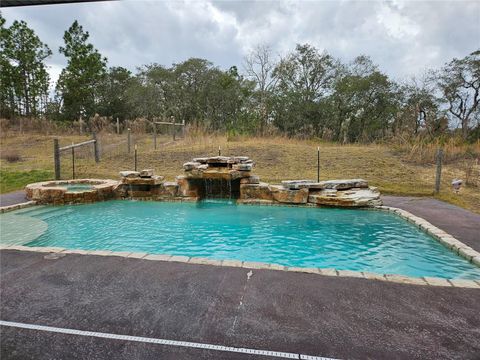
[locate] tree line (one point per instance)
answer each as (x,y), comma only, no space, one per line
(306,93)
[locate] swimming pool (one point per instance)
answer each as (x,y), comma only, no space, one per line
(359,240)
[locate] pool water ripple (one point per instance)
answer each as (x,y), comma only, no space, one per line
(359,240)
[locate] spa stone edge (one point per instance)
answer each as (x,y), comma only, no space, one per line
(438,234)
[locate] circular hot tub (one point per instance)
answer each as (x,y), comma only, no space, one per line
(71,191)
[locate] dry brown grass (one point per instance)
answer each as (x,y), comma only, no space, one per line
(422,152)
(276,159)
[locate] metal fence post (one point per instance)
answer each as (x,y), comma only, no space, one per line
(318,163)
(183,128)
(56,158)
(173,127)
(438,174)
(128,139)
(118,126)
(96,148)
(135,157)
(154,135)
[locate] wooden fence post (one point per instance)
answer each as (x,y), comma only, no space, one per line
(95,148)
(56,158)
(73,161)
(128,139)
(183,128)
(173,127)
(438,174)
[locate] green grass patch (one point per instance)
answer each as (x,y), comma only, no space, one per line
(16,180)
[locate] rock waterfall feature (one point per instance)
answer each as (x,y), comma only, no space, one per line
(227,177)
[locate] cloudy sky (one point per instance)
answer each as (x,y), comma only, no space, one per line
(403,37)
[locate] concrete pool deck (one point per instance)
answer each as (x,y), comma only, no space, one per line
(12,198)
(460,223)
(301,313)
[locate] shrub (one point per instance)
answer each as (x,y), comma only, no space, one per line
(11,156)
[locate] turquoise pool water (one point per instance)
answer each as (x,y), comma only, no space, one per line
(360,240)
(78,187)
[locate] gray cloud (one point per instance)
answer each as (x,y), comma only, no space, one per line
(403,37)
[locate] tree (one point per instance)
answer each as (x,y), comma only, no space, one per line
(419,109)
(227,106)
(152,92)
(307,72)
(23,73)
(78,84)
(259,68)
(192,79)
(365,102)
(459,82)
(113,93)
(304,80)
(7,88)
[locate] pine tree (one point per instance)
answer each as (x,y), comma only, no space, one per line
(78,84)
(23,74)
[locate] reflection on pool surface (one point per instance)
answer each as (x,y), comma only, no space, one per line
(359,240)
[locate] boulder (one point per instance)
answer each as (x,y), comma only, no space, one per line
(185,188)
(73,197)
(46,195)
(344,184)
(106,191)
(252,179)
(218,160)
(300,184)
(154,180)
(191,165)
(194,174)
(260,191)
(129,174)
(223,173)
(201,160)
(242,167)
(120,191)
(169,189)
(240,159)
(90,196)
(357,197)
(146,173)
(289,196)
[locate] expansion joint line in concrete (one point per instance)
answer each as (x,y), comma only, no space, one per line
(188,344)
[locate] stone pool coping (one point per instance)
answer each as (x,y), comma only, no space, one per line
(444,238)
(4,209)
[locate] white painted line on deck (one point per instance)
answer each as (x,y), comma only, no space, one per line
(142,339)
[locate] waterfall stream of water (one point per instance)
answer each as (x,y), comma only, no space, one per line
(217,188)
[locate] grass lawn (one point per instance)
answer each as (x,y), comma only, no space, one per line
(276,159)
(15,180)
